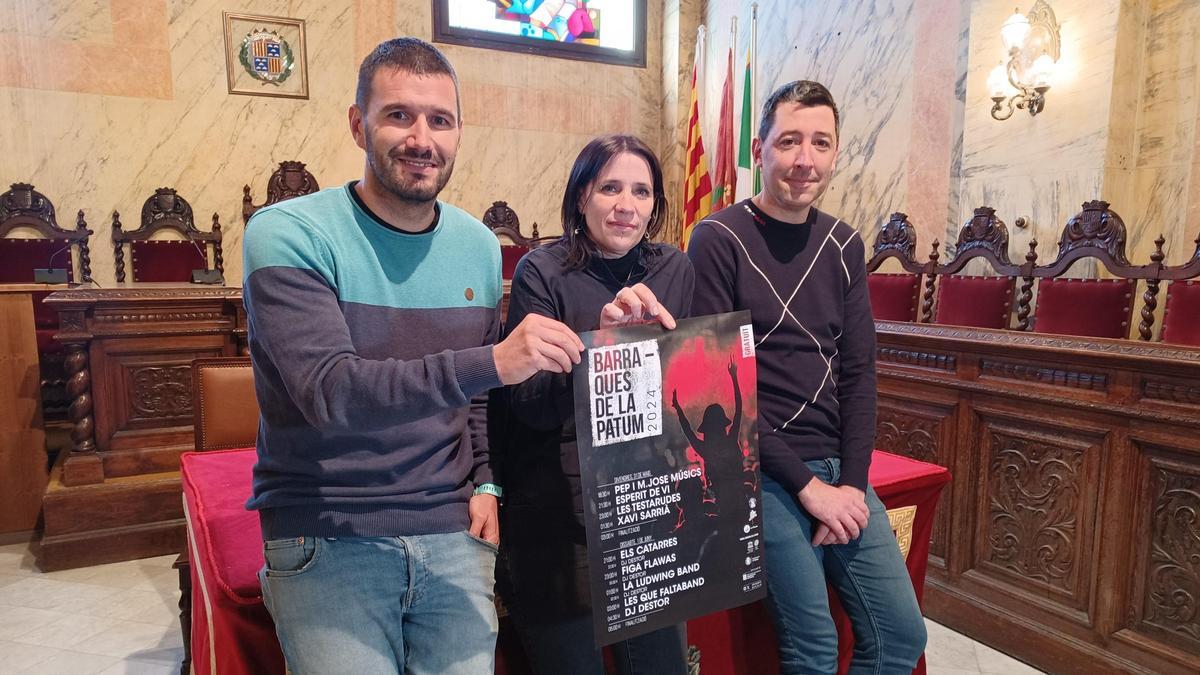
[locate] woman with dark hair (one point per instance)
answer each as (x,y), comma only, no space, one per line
(604,271)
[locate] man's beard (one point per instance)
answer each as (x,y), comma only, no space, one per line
(406,190)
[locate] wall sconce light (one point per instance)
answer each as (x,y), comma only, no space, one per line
(1033,47)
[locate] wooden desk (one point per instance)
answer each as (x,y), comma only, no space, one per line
(115,495)
(22,436)
(1070,534)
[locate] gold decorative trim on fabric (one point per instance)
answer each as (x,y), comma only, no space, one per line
(194,559)
(902,520)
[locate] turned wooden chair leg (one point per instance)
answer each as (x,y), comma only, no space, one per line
(183,565)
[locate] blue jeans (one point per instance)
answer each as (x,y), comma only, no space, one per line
(868,575)
(419,605)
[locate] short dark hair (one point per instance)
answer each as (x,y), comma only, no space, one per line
(591,160)
(407,54)
(806,93)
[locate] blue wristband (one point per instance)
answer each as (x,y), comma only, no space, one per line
(490,489)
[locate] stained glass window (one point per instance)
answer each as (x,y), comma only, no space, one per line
(613,31)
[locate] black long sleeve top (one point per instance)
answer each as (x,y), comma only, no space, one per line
(805,285)
(538,464)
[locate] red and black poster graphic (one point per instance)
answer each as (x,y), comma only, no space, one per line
(668,455)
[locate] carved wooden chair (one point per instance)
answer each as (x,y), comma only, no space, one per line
(1087,307)
(291,179)
(971,300)
(162,260)
(503,221)
(1181,318)
(24,208)
(894,296)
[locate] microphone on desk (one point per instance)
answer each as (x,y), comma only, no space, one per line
(49,274)
(205,275)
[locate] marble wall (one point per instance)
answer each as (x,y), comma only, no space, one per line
(1121,120)
(894,68)
(1042,168)
(1163,171)
(103,101)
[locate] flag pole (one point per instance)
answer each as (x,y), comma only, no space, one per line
(733,35)
(755,180)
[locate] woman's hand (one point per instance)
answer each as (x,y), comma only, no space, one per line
(635,304)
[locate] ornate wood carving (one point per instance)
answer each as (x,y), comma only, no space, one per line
(930,276)
(1026,296)
(1095,232)
(897,239)
(1188,270)
(144,317)
(1172,591)
(986,236)
(72,322)
(85,256)
(23,206)
(905,434)
(502,220)
(162,391)
(165,209)
(92,295)
(290,179)
(1150,296)
(1172,391)
(1121,348)
(1050,536)
(897,234)
(218,256)
(83,428)
(1033,493)
(23,201)
(1096,226)
(1056,376)
(118,249)
(920,359)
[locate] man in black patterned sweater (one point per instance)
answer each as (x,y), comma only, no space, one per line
(802,275)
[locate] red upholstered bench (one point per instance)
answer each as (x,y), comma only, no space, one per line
(232,632)
(1181,323)
(1085,307)
(894,296)
(980,302)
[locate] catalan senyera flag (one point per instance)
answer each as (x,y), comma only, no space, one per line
(725,177)
(749,179)
(697,186)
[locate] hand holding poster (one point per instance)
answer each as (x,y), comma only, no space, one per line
(668,459)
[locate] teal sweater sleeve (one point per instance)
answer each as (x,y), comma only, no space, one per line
(293,306)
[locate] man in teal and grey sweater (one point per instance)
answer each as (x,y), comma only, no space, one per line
(373,319)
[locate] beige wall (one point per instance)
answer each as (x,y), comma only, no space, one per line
(103,101)
(1122,121)
(892,66)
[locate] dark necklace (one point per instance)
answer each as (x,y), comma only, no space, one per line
(609,267)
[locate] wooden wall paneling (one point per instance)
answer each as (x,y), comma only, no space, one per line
(1158,610)
(920,424)
(1072,530)
(1038,484)
(23,473)
(144,403)
(115,496)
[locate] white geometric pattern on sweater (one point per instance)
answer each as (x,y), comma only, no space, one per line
(785,306)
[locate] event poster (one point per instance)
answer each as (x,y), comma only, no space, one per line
(668,455)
